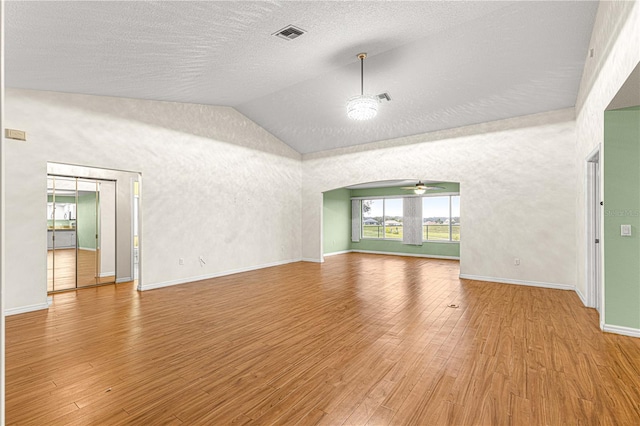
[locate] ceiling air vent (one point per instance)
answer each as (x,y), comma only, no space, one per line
(289,32)
(382,97)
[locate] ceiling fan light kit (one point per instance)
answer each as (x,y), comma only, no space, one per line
(362,107)
(420,191)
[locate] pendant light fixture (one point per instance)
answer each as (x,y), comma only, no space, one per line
(362,107)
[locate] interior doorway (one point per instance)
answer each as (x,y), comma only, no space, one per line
(594,254)
(81,232)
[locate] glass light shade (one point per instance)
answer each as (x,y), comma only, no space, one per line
(420,191)
(363,107)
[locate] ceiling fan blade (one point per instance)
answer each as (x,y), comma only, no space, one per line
(422,187)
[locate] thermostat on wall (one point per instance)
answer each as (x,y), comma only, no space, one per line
(625,230)
(18,135)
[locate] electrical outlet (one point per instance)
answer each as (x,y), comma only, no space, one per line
(181,261)
(516,261)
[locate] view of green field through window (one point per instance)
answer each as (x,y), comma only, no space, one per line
(382,218)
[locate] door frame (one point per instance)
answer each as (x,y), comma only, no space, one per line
(594,251)
(98,231)
(122,179)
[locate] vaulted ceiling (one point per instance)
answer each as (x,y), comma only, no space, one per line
(444,64)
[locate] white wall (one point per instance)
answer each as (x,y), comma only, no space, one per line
(2,217)
(616,43)
(517,185)
(214,184)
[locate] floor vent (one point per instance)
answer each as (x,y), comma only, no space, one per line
(289,32)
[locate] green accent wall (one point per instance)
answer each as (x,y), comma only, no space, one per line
(434,249)
(62,199)
(336,221)
(622,206)
(86,221)
(337,224)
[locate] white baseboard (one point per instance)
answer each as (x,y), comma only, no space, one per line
(123,280)
(86,248)
(153,286)
(337,252)
(107,274)
(392,253)
(518,282)
(49,301)
(582,298)
(310,259)
(25,309)
(618,329)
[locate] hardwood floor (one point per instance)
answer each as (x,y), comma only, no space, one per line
(360,339)
(62,272)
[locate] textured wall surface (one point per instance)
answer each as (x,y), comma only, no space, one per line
(214,184)
(517,185)
(616,42)
(3,298)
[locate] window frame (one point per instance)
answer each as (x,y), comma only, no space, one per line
(384,216)
(442,194)
(383,197)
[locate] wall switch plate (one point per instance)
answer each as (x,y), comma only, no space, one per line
(181,261)
(516,261)
(625,230)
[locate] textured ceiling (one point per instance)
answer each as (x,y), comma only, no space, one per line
(445,64)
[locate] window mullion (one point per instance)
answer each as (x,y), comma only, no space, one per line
(361,218)
(384,219)
(450,219)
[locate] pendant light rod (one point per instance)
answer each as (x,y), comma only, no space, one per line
(361,56)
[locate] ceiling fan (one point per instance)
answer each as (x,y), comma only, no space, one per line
(420,188)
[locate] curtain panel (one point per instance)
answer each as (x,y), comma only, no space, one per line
(412,225)
(356,220)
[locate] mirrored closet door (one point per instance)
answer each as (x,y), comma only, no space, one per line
(81,232)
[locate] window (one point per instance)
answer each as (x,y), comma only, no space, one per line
(393,218)
(441,218)
(382,218)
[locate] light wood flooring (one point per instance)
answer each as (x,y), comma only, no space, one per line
(61,269)
(361,339)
